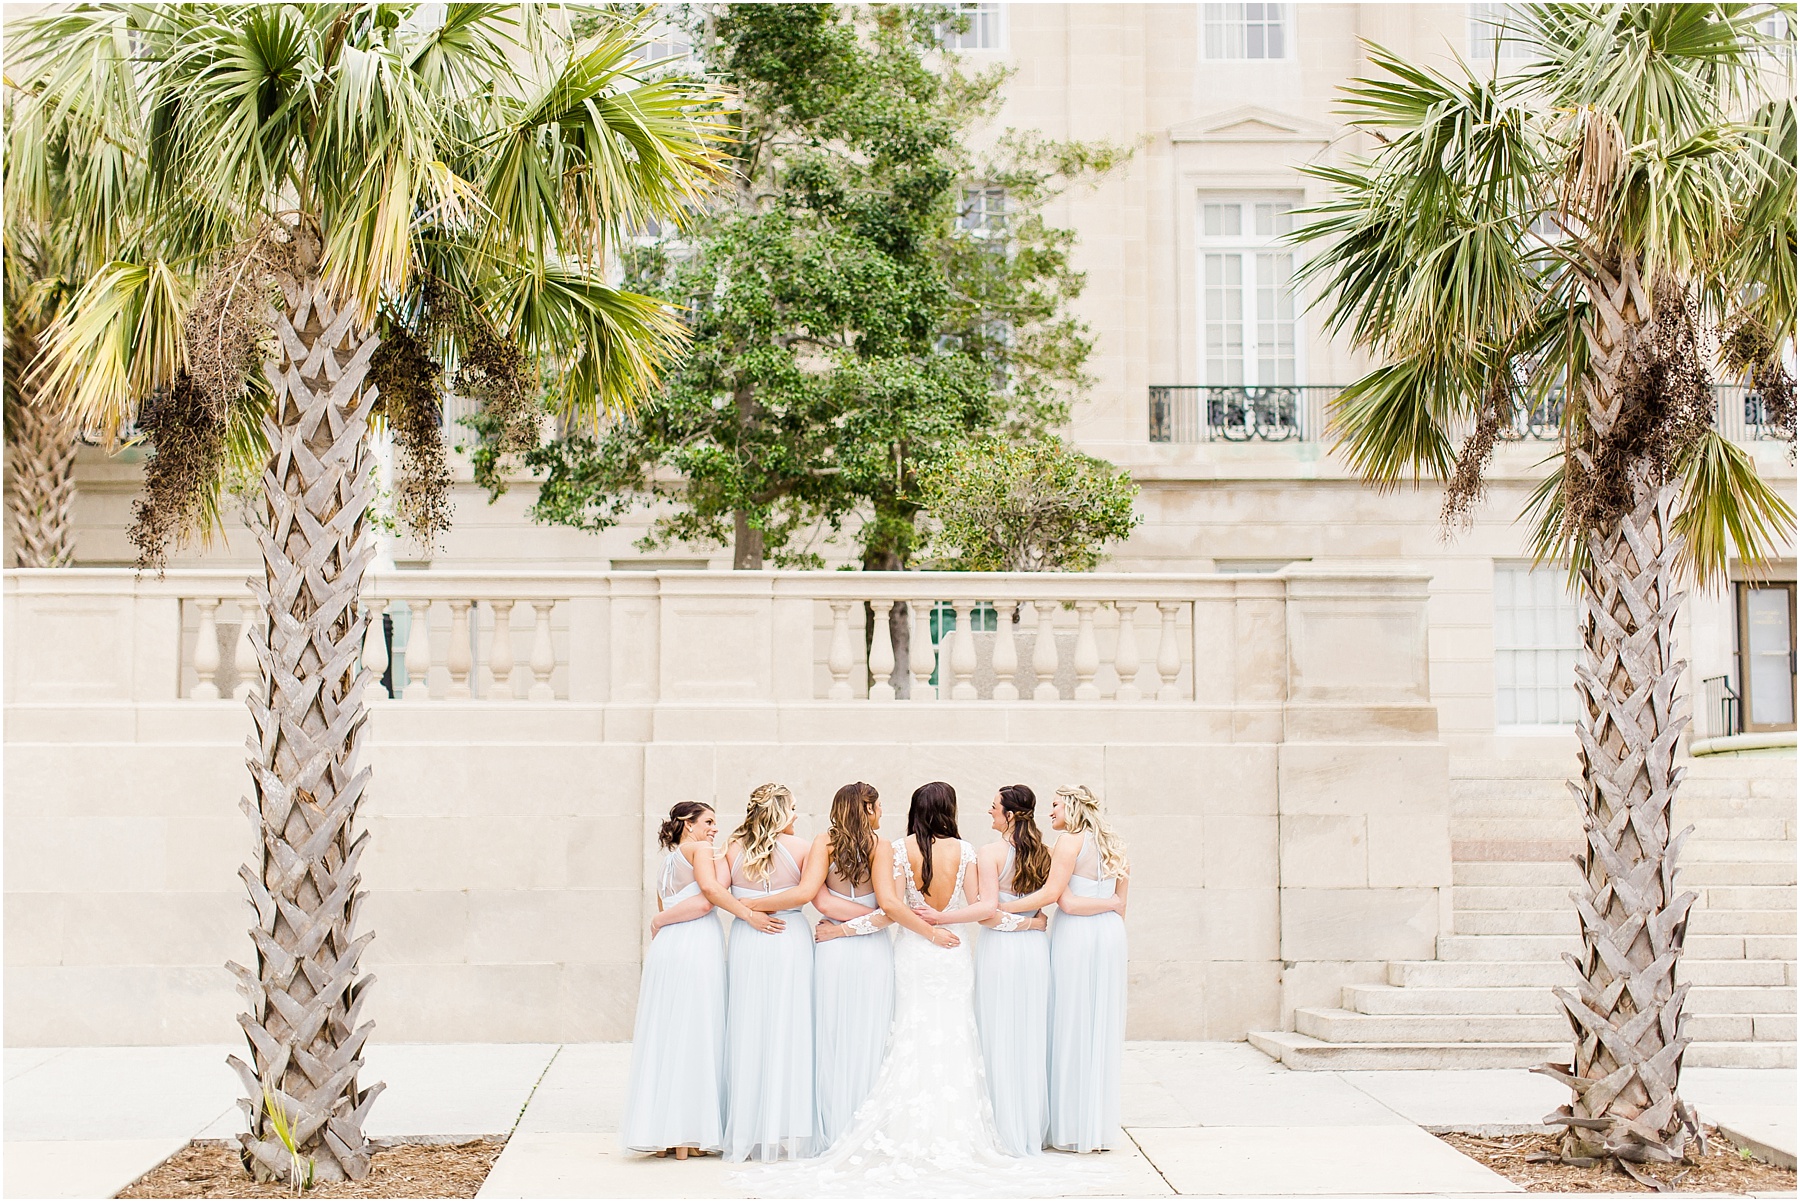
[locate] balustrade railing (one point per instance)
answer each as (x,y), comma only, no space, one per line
(710,639)
(1186,413)
(1047,637)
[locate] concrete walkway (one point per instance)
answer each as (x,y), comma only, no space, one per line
(1203,1119)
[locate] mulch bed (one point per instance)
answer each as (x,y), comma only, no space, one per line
(1723,1170)
(210,1168)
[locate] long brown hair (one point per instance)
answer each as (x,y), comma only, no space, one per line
(932,817)
(680,814)
(852,836)
(1031,859)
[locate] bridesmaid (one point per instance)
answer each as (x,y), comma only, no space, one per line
(1088,881)
(677,1084)
(769,980)
(853,973)
(1012,978)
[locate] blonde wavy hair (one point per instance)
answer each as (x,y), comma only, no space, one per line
(1081,812)
(770,811)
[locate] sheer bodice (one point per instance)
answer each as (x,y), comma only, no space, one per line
(784,873)
(676,880)
(1086,880)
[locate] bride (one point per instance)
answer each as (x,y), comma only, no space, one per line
(928,1124)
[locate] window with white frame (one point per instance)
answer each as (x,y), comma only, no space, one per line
(1535,645)
(1248,324)
(983,32)
(1245,30)
(983,214)
(1494,26)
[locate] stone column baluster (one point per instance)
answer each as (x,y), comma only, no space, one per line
(1087,653)
(962,653)
(206,652)
(1168,652)
(921,654)
(838,658)
(244,654)
(881,654)
(459,660)
(374,648)
(500,651)
(1006,652)
(1043,653)
(418,652)
(543,654)
(1125,653)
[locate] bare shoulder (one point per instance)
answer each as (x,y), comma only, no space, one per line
(1068,844)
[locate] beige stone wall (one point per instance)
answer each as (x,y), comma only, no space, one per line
(1287,812)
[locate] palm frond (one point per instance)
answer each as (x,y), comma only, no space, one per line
(117,341)
(1726,507)
(1393,423)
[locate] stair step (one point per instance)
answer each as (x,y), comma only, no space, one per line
(1746,872)
(1746,829)
(1739,1054)
(1740,922)
(1559,873)
(1513,897)
(1699,850)
(1707,1000)
(1744,897)
(1335,1025)
(1306,1054)
(1517,947)
(1516,922)
(1565,829)
(1766,947)
(1413,999)
(1487,974)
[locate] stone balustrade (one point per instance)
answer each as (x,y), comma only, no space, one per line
(840,638)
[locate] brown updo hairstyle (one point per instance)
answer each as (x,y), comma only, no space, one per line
(680,814)
(1031,859)
(853,831)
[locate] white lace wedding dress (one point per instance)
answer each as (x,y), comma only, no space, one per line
(927,1128)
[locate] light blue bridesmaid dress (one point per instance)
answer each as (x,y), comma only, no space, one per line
(677,1089)
(1087,1014)
(1012,1008)
(853,991)
(769,1028)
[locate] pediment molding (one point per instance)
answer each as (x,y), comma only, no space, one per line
(1250,123)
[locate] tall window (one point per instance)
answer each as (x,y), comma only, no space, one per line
(1765,639)
(1493,23)
(1247,292)
(1246,30)
(983,32)
(1535,645)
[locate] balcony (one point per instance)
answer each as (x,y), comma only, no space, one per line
(1193,413)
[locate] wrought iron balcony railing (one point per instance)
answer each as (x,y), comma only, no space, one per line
(1297,413)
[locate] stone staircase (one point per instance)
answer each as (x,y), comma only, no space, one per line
(1485,1001)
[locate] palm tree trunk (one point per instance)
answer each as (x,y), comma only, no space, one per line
(1626,1013)
(305,1000)
(40,486)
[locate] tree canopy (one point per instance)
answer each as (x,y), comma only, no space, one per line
(873,294)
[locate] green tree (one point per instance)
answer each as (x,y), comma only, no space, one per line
(1583,229)
(1037,506)
(300,202)
(874,294)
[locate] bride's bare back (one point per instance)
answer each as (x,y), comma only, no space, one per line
(946,857)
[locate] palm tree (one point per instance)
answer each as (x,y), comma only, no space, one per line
(1593,227)
(40,448)
(311,209)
